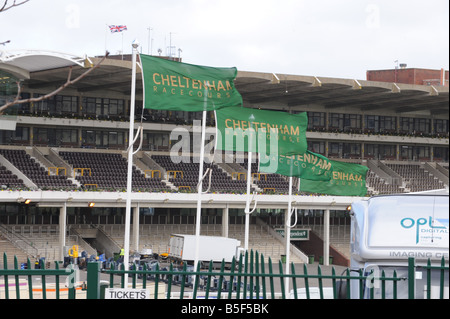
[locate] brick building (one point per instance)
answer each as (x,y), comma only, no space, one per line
(410,76)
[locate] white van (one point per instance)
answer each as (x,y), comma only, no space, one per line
(387,230)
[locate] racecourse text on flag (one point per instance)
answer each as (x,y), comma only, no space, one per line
(235,124)
(117,28)
(172,85)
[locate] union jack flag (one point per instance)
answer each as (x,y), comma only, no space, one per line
(117,28)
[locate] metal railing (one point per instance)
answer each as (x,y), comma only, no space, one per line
(250,277)
(22,280)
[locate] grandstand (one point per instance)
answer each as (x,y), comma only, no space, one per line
(70,150)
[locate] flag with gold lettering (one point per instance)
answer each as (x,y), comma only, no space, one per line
(347,179)
(264,131)
(172,85)
(308,165)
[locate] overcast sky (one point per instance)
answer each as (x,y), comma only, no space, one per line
(334,38)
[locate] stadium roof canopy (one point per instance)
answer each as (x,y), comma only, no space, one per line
(296,91)
(48,70)
(23,62)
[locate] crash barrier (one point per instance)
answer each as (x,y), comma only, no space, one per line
(250,277)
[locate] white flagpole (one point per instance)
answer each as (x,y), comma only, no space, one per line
(122,44)
(288,236)
(106,34)
(200,184)
(247,203)
(249,174)
(130,165)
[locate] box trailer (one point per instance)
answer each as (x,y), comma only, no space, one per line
(387,230)
(215,248)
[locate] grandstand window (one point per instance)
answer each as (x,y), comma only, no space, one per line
(115,139)
(423,125)
(88,138)
(20,136)
(66,137)
(406,152)
(345,150)
(440,126)
(95,106)
(335,150)
(415,153)
(89,105)
(101,139)
(46,106)
(380,151)
(316,120)
(351,150)
(422,153)
(441,154)
(57,105)
(387,151)
(317,147)
(388,124)
(371,151)
(415,125)
(109,139)
(66,104)
(9,213)
(380,124)
(371,123)
(156,141)
(55,137)
(40,136)
(113,107)
(345,122)
(98,107)
(24,108)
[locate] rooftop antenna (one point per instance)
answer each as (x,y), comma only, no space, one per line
(150,42)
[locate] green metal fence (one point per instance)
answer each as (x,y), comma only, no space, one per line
(250,277)
(21,278)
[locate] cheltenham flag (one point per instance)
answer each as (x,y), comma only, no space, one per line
(176,86)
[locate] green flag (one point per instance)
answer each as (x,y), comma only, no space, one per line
(347,179)
(171,85)
(273,132)
(309,165)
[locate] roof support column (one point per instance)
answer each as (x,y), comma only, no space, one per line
(136,228)
(326,237)
(225,221)
(62,230)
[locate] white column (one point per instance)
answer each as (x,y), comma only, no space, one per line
(225,220)
(62,230)
(326,237)
(136,228)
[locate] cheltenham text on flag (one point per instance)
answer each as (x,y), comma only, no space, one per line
(347,179)
(235,124)
(309,165)
(171,85)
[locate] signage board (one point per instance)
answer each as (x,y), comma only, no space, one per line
(296,234)
(126,293)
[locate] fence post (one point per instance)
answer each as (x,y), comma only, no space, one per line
(411,278)
(93,280)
